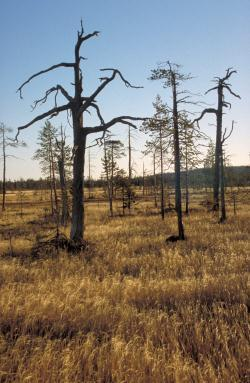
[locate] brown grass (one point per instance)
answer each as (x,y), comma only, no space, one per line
(129,309)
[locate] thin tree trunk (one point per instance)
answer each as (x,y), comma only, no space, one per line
(112,181)
(187,192)
(54,179)
(51,187)
(162,181)
(186,174)
(129,169)
(155,182)
(143,180)
(89,176)
(234,202)
(218,150)
(4,172)
(65,205)
(178,206)
(108,180)
(223,203)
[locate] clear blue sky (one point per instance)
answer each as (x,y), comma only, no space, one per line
(206,37)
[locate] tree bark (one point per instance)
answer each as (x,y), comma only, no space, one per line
(77,222)
(186,183)
(54,179)
(162,180)
(129,169)
(65,205)
(216,186)
(155,183)
(178,206)
(4,172)
(51,187)
(222,191)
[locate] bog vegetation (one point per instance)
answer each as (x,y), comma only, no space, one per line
(129,308)
(111,280)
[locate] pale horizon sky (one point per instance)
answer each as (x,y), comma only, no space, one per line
(204,37)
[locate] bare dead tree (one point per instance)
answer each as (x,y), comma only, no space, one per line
(5,142)
(129,166)
(225,136)
(221,85)
(77,105)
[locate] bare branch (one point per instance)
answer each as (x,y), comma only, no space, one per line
(205,111)
(50,113)
(229,73)
(225,136)
(122,120)
(105,82)
(48,92)
(96,107)
(209,90)
(63,64)
(88,36)
(230,91)
(127,83)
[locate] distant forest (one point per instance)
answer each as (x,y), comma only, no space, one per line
(235,176)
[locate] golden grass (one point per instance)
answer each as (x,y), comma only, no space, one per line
(129,309)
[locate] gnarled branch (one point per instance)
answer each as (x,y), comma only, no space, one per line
(50,113)
(230,91)
(105,82)
(48,92)
(63,64)
(205,111)
(225,135)
(122,120)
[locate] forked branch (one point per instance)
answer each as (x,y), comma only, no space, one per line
(63,64)
(205,111)
(56,89)
(127,120)
(50,113)
(105,82)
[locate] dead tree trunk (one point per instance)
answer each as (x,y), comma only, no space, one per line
(51,187)
(77,222)
(77,105)
(187,192)
(162,175)
(65,204)
(155,181)
(222,186)
(222,85)
(61,159)
(4,170)
(177,163)
(186,178)
(129,168)
(218,149)
(89,176)
(222,174)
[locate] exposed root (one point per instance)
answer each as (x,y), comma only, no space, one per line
(51,247)
(174,238)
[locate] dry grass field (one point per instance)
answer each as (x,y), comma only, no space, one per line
(131,308)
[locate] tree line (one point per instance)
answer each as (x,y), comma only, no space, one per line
(174,140)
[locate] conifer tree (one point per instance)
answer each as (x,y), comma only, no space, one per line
(159,132)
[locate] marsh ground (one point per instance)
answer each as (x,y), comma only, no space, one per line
(131,308)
